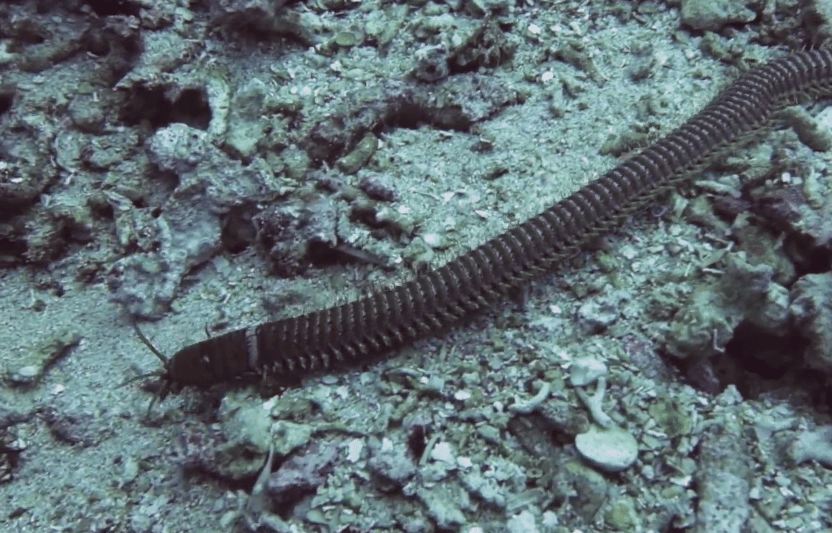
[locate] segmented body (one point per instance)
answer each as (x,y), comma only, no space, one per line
(382,321)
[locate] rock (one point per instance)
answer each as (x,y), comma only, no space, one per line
(714,14)
(301,475)
(522,522)
(392,467)
(811,310)
(723,477)
(188,230)
(586,370)
(596,316)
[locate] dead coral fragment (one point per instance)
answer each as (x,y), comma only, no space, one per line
(38,360)
(813,445)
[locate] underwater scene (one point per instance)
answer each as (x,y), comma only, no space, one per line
(415,266)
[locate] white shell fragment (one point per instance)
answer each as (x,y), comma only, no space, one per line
(586,370)
(610,450)
(26,374)
(442,452)
(354,448)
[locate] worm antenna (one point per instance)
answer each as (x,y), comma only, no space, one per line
(166,384)
(156,398)
(139,378)
(147,343)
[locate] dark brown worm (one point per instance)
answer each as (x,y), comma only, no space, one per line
(387,319)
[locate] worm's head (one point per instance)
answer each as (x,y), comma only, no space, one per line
(164,375)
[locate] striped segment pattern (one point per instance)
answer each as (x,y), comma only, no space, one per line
(435,300)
